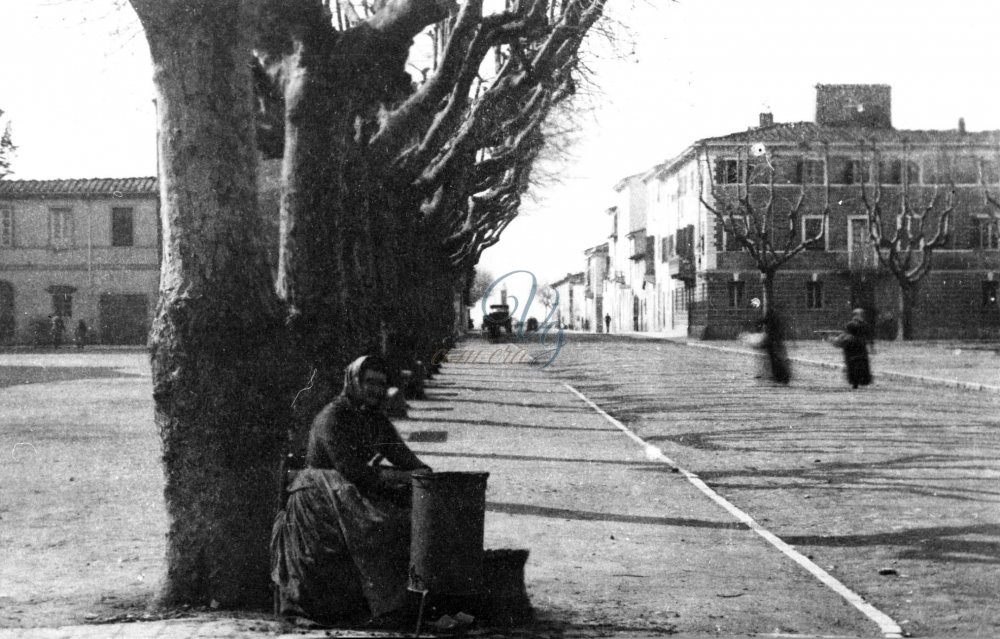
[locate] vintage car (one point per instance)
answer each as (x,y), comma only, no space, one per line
(498,318)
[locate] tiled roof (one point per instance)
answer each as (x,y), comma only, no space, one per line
(810,133)
(794,132)
(119,187)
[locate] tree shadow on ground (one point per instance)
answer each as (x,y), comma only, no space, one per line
(586,515)
(493,389)
(893,475)
(534,458)
(938,543)
(554,408)
(495,424)
(19,375)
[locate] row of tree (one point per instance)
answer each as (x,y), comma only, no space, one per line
(392,186)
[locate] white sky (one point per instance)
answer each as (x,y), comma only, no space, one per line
(76,84)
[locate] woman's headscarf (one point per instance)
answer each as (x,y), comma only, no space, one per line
(355,372)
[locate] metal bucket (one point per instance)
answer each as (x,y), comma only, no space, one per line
(446,543)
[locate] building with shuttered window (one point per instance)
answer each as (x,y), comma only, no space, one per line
(81,249)
(707,281)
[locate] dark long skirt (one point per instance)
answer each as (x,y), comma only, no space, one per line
(859,372)
(336,554)
(779,367)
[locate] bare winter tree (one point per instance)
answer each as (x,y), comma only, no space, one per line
(764,217)
(991,197)
(391,190)
(7,148)
(548,296)
(992,200)
(906,229)
(480,284)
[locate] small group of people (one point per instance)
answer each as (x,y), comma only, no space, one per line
(854,340)
(58,328)
(340,546)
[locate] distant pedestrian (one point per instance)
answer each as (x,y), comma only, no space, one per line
(58,327)
(607,323)
(773,344)
(854,341)
(80,334)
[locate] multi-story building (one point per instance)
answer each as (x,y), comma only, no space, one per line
(593,302)
(80,249)
(626,293)
(710,281)
(570,311)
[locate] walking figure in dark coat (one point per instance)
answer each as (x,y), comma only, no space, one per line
(854,341)
(773,344)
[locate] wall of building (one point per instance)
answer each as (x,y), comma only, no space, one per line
(593,302)
(89,266)
(950,305)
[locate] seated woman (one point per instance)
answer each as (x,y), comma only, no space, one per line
(340,547)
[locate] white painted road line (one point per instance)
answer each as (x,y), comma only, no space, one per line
(888,627)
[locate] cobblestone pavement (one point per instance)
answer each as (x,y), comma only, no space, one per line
(890,491)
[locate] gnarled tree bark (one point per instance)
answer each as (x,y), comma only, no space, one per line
(391,192)
(217,335)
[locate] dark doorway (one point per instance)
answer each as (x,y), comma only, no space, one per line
(123,318)
(7,324)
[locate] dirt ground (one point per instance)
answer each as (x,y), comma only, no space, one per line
(81,513)
(82,518)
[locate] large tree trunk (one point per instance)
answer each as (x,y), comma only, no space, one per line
(365,263)
(346,256)
(767,282)
(217,343)
(907,302)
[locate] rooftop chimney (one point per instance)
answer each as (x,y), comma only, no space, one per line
(766,119)
(961,125)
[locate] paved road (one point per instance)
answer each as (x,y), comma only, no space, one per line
(899,478)
(618,542)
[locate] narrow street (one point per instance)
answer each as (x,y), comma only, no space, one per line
(890,490)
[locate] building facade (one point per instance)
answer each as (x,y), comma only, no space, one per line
(570,310)
(83,250)
(850,154)
(593,293)
(627,292)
